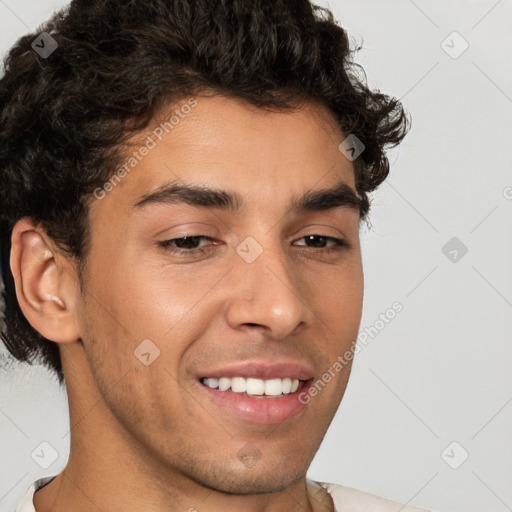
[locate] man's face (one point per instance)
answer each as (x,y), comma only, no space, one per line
(223,302)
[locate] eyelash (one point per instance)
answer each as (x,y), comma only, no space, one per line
(166,244)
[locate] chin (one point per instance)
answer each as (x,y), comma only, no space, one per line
(263,480)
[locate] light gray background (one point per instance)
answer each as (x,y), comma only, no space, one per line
(440,370)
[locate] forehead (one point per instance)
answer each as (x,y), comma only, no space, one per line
(229,144)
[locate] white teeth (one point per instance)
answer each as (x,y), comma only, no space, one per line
(255,386)
(238,385)
(273,387)
(212,382)
(252,386)
(224,384)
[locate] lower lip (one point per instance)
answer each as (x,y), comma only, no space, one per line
(265,411)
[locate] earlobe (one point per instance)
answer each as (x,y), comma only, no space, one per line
(40,286)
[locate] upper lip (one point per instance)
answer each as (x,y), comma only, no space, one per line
(262,370)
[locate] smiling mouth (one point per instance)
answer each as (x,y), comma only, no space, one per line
(257,401)
(256,388)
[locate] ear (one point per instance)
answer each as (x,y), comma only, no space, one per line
(46,283)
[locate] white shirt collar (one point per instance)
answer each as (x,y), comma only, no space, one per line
(27,503)
(344,498)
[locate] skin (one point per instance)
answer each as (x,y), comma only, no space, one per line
(147,437)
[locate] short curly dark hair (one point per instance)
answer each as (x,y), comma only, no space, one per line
(64,118)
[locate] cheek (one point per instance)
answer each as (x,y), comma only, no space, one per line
(339,297)
(144,299)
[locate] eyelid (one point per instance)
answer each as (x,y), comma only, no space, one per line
(187,227)
(319,227)
(340,244)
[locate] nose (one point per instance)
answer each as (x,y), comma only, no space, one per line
(268,295)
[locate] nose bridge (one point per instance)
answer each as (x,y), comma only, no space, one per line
(268,292)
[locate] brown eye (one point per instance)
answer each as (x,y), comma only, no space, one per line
(184,245)
(320,241)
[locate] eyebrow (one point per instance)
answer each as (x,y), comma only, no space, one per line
(339,196)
